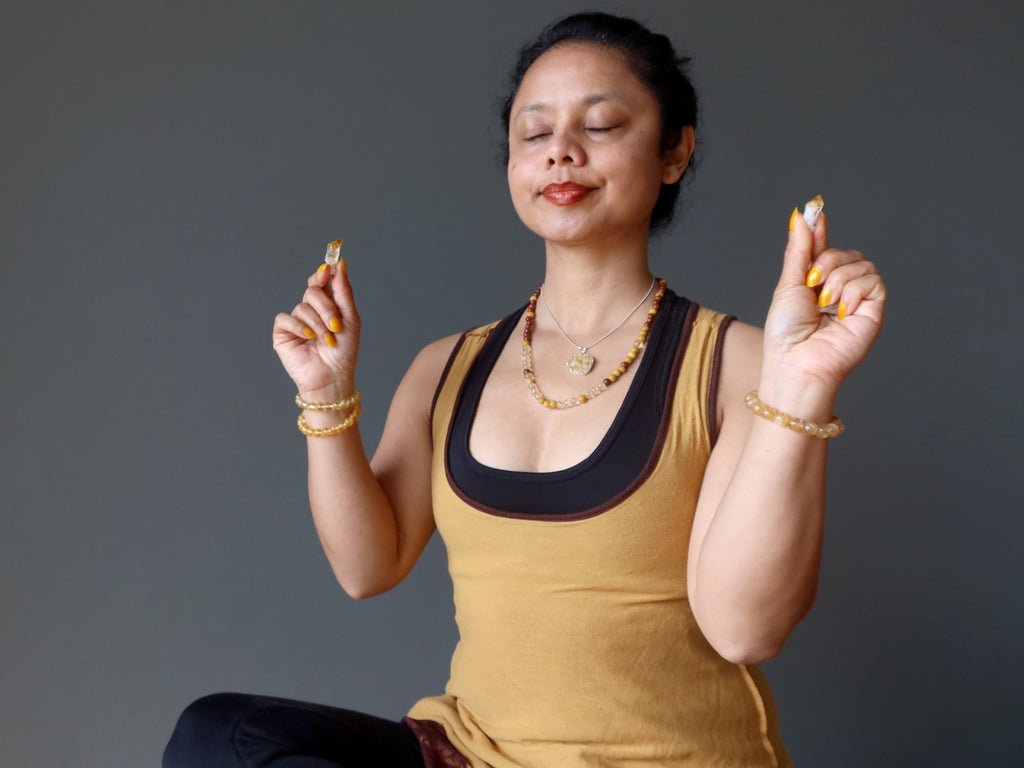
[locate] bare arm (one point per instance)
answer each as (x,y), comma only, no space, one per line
(755,548)
(373,519)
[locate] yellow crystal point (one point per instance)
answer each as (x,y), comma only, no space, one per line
(333,255)
(813,209)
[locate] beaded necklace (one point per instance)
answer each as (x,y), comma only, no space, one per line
(582,362)
(597,389)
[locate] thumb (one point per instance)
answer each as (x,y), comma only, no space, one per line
(799,251)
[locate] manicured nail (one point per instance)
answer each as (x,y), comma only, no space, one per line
(813,277)
(344,269)
(792,219)
(841,312)
(308,333)
(321,268)
(329,340)
(825,297)
(334,324)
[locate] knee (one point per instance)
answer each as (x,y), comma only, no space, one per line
(203,735)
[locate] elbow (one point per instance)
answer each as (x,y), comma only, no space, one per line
(744,653)
(749,642)
(746,643)
(750,637)
(360,586)
(361,589)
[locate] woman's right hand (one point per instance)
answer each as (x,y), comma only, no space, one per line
(319,341)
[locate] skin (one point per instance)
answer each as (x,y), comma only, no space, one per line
(582,117)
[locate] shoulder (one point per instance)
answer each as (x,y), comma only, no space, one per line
(740,367)
(742,341)
(429,365)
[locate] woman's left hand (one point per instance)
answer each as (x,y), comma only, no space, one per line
(827,309)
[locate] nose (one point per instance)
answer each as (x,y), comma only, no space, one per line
(564,148)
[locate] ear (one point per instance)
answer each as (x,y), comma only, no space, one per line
(677,158)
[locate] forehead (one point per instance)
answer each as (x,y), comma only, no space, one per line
(579,72)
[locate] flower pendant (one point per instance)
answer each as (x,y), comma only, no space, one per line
(581,363)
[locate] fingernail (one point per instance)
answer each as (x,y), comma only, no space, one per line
(344,269)
(308,333)
(841,312)
(329,340)
(321,268)
(813,277)
(334,325)
(825,297)
(792,219)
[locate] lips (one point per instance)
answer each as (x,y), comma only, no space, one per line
(565,193)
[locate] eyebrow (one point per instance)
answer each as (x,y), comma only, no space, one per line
(587,101)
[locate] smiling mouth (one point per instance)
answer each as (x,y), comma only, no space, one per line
(565,193)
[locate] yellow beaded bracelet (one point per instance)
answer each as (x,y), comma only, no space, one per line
(833,429)
(338,405)
(309,431)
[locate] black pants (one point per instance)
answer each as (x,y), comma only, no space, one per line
(235,730)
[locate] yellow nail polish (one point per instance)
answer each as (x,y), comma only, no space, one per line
(329,340)
(841,312)
(334,325)
(309,333)
(825,297)
(813,277)
(792,219)
(321,268)
(344,269)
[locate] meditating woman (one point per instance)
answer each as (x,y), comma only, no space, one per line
(630,486)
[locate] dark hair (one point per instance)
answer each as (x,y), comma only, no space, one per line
(652,59)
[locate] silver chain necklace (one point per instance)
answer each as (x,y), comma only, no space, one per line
(582,362)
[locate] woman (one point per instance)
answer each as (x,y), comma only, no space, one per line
(625,538)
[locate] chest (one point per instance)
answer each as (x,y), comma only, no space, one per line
(511,430)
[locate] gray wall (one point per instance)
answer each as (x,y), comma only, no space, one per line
(169,174)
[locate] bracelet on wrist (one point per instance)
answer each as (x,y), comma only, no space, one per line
(337,405)
(354,402)
(338,428)
(812,429)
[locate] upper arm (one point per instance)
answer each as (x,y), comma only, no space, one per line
(740,368)
(402,461)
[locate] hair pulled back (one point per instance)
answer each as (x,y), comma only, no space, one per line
(651,58)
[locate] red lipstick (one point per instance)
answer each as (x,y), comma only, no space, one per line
(565,193)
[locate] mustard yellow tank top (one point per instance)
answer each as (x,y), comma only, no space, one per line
(577,645)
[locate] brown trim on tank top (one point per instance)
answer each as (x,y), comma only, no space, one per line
(716,367)
(448,367)
(648,469)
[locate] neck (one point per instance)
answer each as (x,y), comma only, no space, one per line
(589,291)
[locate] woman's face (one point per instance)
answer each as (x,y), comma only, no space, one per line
(585,163)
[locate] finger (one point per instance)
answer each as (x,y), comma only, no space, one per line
(310,318)
(291,327)
(833,284)
(320,278)
(322,302)
(797,258)
(863,297)
(820,234)
(345,299)
(827,261)
(850,270)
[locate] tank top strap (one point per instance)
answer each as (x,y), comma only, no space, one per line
(696,387)
(454,376)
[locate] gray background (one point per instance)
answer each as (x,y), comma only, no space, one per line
(170,173)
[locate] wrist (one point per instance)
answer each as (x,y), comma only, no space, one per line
(326,418)
(804,396)
(331,393)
